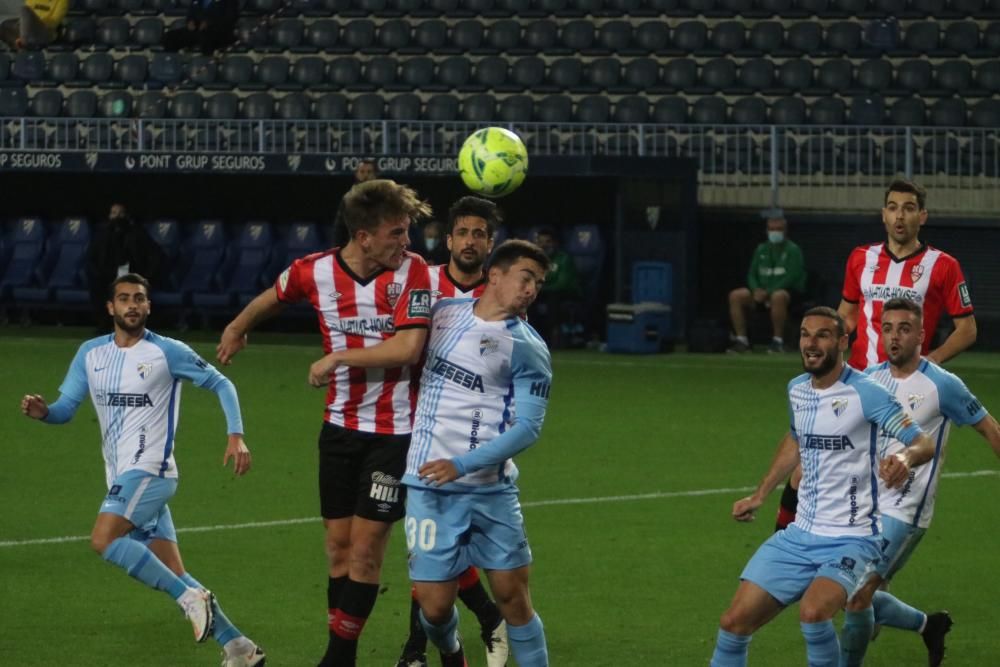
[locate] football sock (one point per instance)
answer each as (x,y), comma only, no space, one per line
(787,508)
(348,620)
(417,641)
(222,628)
(334,587)
(893,612)
(527,643)
(730,650)
(472,593)
(444,636)
(778,339)
(142,564)
(855,635)
(822,647)
(742,339)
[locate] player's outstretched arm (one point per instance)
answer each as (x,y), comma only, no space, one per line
(34,406)
(785,460)
(989,429)
(234,337)
(237,450)
(957,341)
(403,349)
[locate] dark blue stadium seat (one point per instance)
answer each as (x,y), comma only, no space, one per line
(690,36)
(148,32)
(749,111)
(165,69)
(132,69)
(481,108)
(28,246)
(113,32)
(584,244)
(652,37)
(394,35)
(64,68)
(516,109)
(166,232)
(272,72)
(82,104)
(287,33)
(680,74)
(670,111)
(47,103)
(867,110)
(67,253)
(828,111)
(941,154)
(246,268)
(804,37)
(323,34)
(203,254)
(29,66)
(709,111)
(908,111)
(79,30)
(948,112)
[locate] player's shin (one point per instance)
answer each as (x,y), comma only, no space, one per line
(142,564)
(444,636)
(822,647)
(347,621)
(527,643)
(730,649)
(855,635)
(894,613)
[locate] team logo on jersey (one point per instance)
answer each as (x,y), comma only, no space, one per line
(839,405)
(420,303)
(916,273)
(914,400)
(392,292)
(144,369)
(334,295)
(963,294)
(488,345)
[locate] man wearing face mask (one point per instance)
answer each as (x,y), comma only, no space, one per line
(776,277)
(119,246)
(435,250)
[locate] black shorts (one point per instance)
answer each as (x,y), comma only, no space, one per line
(360,474)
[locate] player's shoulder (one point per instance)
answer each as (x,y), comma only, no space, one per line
(865,248)
(95,342)
(411,258)
(167,344)
(944,258)
(876,368)
(942,378)
(452,305)
(313,257)
(526,338)
(798,380)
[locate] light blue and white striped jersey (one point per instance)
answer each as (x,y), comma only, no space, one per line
(934,398)
(136,393)
(837,430)
(483,393)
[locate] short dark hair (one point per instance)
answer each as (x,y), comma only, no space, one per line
(477,207)
(901,303)
(509,252)
(910,187)
(367,204)
(827,311)
(131,278)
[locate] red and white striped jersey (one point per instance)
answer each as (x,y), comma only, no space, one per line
(930,277)
(354,312)
(443,286)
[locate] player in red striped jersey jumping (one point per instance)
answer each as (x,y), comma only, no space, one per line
(902,266)
(369,292)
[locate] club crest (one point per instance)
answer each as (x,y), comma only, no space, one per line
(916,272)
(839,405)
(914,400)
(488,345)
(144,369)
(392,292)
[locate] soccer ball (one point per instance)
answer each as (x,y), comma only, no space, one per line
(493,162)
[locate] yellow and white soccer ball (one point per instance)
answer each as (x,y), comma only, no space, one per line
(493,162)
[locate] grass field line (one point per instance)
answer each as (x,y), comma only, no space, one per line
(533,503)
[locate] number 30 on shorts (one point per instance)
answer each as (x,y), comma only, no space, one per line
(420,533)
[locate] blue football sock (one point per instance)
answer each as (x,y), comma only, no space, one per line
(142,564)
(822,647)
(855,635)
(444,636)
(527,643)
(894,613)
(730,650)
(222,628)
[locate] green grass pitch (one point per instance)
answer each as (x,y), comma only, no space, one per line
(627,498)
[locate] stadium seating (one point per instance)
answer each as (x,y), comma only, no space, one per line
(27,248)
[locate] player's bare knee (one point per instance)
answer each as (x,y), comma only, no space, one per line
(739,296)
(813,614)
(100,541)
(734,622)
(437,612)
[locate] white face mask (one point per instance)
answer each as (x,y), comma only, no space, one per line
(776,237)
(431,243)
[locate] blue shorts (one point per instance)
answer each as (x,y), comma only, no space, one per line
(141,498)
(446,532)
(901,539)
(788,562)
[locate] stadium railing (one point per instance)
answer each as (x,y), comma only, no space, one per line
(805,166)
